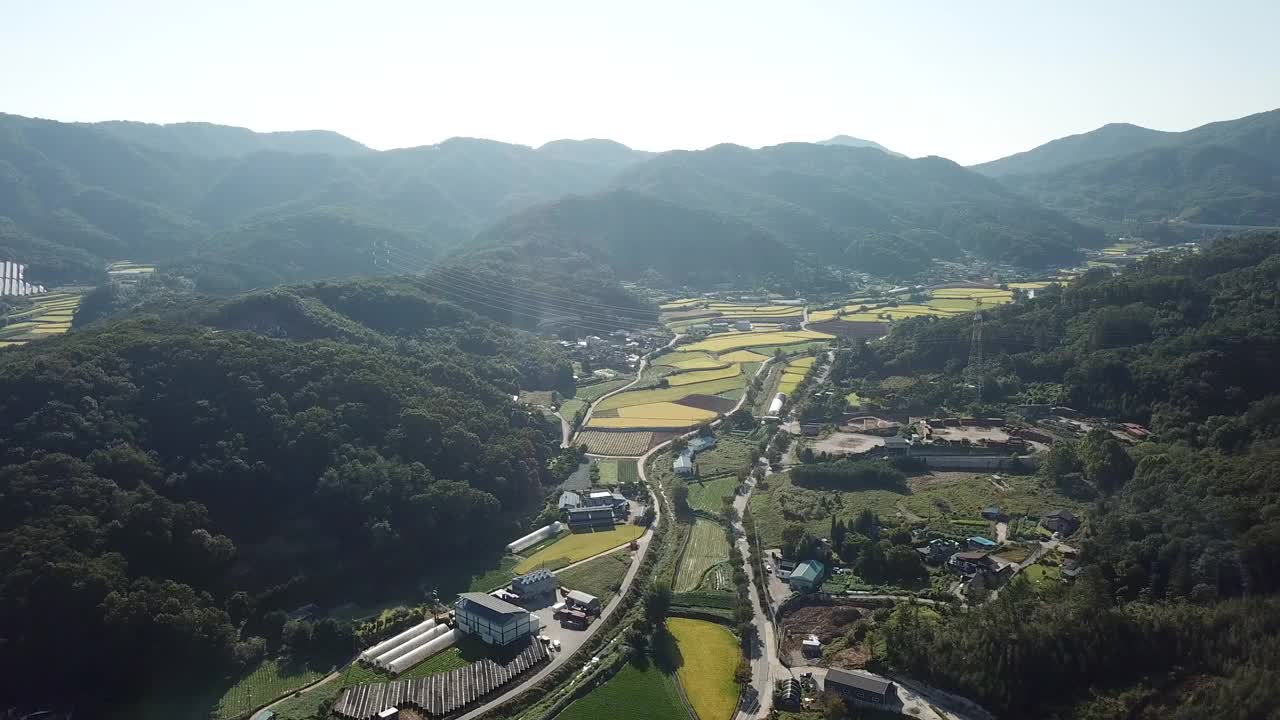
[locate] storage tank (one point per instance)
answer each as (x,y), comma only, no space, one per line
(536,537)
(404,662)
(385,645)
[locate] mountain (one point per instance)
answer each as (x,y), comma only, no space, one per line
(197,138)
(631,234)
(863,208)
(1108,141)
(71,193)
(850,141)
(1223,173)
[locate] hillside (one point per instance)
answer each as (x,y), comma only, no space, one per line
(1224,173)
(175,485)
(862,208)
(850,141)
(198,138)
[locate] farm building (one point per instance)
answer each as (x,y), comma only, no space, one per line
(569,499)
(807,576)
(582,601)
(977,542)
(1063,521)
(599,498)
(536,584)
(494,621)
(858,687)
(590,518)
(701,444)
(775,406)
(895,445)
(811,646)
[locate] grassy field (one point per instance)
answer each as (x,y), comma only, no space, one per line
(579,546)
(632,444)
(939,499)
(591,393)
(705,495)
(496,577)
(600,577)
(707,547)
(708,655)
(737,340)
(637,692)
(267,682)
(614,472)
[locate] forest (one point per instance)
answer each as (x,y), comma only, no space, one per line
(175,482)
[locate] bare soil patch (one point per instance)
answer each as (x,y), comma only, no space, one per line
(846,443)
(707,402)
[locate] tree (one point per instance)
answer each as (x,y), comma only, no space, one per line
(657,602)
(680,497)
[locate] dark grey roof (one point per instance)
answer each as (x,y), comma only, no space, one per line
(535,576)
(488,605)
(590,513)
(1064,514)
(860,682)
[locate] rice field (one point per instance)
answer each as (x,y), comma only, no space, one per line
(637,692)
(50,314)
(682,304)
(742,356)
(1038,285)
(709,655)
(793,374)
(578,546)
(707,547)
(670,410)
(724,342)
(690,378)
(671,394)
(624,444)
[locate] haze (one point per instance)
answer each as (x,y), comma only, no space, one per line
(969,82)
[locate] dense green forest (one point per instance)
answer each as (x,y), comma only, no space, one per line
(1175,612)
(174,482)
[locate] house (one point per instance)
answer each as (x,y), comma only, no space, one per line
(1135,431)
(993,513)
(858,687)
(582,601)
(590,518)
(700,444)
(811,646)
(970,563)
(494,621)
(807,576)
(977,542)
(1061,521)
(538,583)
(939,549)
(599,498)
(896,445)
(742,325)
(569,499)
(683,465)
(810,429)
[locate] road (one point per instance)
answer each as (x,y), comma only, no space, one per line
(765,666)
(566,431)
(912,698)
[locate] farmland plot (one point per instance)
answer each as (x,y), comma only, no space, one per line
(707,547)
(708,657)
(637,692)
(579,546)
(690,378)
(626,444)
(736,341)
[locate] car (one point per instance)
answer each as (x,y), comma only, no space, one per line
(555,644)
(768,570)
(806,675)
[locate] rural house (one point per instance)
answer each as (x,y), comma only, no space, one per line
(683,465)
(858,687)
(494,621)
(1063,521)
(807,576)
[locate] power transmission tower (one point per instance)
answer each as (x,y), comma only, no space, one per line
(975,353)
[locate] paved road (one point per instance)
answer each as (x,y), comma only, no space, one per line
(566,432)
(765,666)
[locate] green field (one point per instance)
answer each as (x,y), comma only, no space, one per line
(590,393)
(706,495)
(614,472)
(706,548)
(267,682)
(637,692)
(940,500)
(579,546)
(708,655)
(600,577)
(657,395)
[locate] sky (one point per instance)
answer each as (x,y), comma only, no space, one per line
(971,81)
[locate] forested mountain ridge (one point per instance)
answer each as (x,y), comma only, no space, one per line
(200,138)
(861,207)
(1221,173)
(851,141)
(173,483)
(1173,613)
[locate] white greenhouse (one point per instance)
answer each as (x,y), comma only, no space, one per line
(384,660)
(536,537)
(413,632)
(442,642)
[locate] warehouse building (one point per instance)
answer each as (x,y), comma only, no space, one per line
(590,518)
(539,583)
(494,621)
(858,687)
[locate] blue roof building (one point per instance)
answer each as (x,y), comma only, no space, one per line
(700,444)
(977,541)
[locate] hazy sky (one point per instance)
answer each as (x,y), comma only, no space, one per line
(968,80)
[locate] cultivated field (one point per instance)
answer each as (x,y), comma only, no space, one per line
(671,394)
(794,374)
(723,342)
(579,546)
(269,681)
(600,577)
(49,314)
(743,356)
(707,547)
(613,472)
(627,444)
(635,693)
(697,376)
(708,656)
(706,495)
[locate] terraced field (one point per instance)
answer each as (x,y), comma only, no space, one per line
(742,356)
(707,547)
(625,444)
(658,395)
(689,378)
(794,374)
(49,314)
(724,342)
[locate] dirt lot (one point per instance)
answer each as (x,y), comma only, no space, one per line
(841,443)
(973,433)
(828,623)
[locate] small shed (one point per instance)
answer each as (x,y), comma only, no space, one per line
(807,576)
(993,513)
(583,601)
(811,646)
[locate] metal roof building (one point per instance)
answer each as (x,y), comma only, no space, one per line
(858,686)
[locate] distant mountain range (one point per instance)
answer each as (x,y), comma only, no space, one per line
(237,209)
